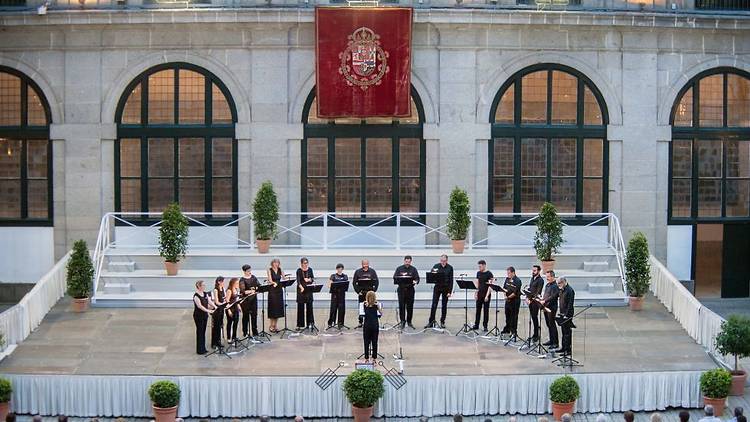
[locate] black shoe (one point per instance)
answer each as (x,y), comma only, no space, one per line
(410,326)
(430,324)
(504,332)
(442,324)
(402,324)
(474,327)
(553,347)
(535,339)
(485,329)
(359,326)
(547,343)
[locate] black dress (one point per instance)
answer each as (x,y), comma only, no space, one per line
(276,296)
(201,320)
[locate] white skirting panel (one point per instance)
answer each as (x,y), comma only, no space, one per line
(90,395)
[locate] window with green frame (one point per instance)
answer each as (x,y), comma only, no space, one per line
(549,143)
(374,165)
(25,152)
(710,149)
(175,142)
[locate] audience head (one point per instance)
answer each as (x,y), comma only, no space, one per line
(265,418)
(542,419)
(601,418)
(708,410)
(738,411)
(566,417)
(488,420)
(10,417)
(62,419)
(37,418)
(684,416)
(423,419)
(298,419)
(512,419)
(628,416)
(656,417)
(457,417)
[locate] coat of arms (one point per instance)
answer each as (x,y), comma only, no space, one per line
(363,62)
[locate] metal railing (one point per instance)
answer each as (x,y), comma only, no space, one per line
(341,230)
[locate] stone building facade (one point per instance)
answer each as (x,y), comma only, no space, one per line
(638,62)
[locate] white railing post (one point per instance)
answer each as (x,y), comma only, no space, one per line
(398,230)
(325,231)
(471,231)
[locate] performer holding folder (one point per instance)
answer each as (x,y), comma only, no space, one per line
(338,283)
(406,277)
(365,280)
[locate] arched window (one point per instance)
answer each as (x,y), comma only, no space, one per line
(363,165)
(25,152)
(548,143)
(710,149)
(175,142)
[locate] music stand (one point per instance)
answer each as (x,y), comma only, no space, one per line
(537,347)
(263,334)
(285,282)
(567,360)
(433,278)
(495,331)
(314,288)
(401,281)
(365,285)
(344,283)
(466,285)
(237,343)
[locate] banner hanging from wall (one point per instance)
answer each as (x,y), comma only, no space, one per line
(363,61)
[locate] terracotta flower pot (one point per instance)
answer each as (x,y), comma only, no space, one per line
(172,267)
(559,409)
(4,409)
(263,245)
(361,414)
(718,404)
(635,303)
(548,266)
(165,414)
(458,245)
(739,378)
(80,304)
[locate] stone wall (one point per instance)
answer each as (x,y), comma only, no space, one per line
(84,60)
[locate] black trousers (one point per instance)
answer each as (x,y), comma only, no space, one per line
(437,294)
(338,309)
(481,305)
(250,315)
(370,335)
(201,321)
(534,311)
(405,303)
(305,316)
(217,321)
(511,315)
(567,337)
(549,319)
(232,323)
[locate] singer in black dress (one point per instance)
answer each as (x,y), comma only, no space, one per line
(217,320)
(202,306)
(275,295)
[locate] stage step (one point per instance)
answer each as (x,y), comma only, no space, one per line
(121,266)
(117,288)
(600,287)
(596,266)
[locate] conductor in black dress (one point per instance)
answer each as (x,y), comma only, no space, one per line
(305,278)
(249,289)
(536,284)
(550,296)
(370,311)
(338,283)
(565,315)
(482,295)
(512,288)
(406,291)
(443,289)
(361,286)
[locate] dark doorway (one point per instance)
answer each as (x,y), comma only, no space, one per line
(709,243)
(736,261)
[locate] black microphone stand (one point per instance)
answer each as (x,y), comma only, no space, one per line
(286,329)
(466,285)
(263,334)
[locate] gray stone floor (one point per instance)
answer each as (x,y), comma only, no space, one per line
(162,341)
(726,307)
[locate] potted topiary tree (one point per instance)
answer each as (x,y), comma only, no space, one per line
(173,237)
(363,388)
(265,216)
(6,389)
(563,393)
(715,385)
(637,270)
(165,396)
(548,236)
(79,276)
(459,219)
(734,339)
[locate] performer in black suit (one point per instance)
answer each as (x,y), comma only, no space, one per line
(567,300)
(338,297)
(406,292)
(248,287)
(305,277)
(512,286)
(443,290)
(364,273)
(217,318)
(535,289)
(202,307)
(550,296)
(483,294)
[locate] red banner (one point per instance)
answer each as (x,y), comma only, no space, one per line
(363,61)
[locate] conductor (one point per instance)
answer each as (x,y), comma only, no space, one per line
(365,280)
